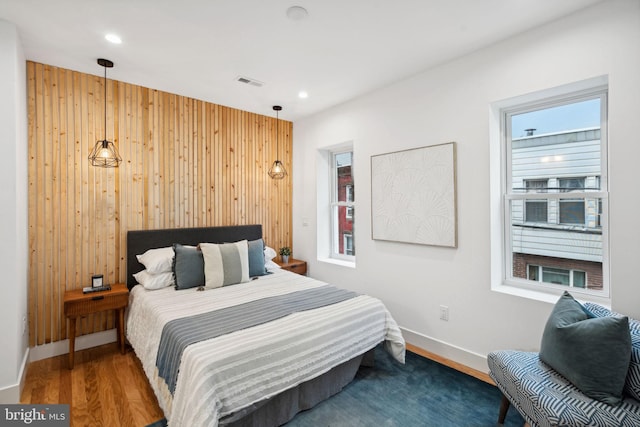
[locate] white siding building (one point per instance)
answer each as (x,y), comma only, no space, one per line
(559,232)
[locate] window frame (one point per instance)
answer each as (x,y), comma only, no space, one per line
(503,279)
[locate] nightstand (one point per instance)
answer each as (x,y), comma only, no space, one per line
(78,304)
(295,265)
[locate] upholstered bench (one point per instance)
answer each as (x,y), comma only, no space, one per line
(545,398)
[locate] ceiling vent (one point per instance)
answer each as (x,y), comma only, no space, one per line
(249,81)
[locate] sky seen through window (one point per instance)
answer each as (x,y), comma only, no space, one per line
(578,115)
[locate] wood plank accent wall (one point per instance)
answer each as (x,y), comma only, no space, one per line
(186,163)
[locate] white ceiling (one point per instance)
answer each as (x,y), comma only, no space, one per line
(197,48)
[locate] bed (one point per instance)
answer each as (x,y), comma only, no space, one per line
(265,364)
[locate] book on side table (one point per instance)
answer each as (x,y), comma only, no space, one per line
(89,289)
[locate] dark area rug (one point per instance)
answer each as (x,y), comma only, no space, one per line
(159,423)
(420,393)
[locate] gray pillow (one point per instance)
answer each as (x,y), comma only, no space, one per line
(632,386)
(256,258)
(593,353)
(188,267)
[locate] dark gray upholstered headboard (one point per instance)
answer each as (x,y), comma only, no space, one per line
(138,241)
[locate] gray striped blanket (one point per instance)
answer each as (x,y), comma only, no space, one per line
(180,333)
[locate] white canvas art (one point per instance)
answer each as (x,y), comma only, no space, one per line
(413,196)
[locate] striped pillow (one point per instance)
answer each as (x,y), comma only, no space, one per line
(225,264)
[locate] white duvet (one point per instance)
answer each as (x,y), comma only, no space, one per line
(225,374)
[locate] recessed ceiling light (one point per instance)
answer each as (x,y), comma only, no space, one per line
(297,13)
(113,38)
(302,94)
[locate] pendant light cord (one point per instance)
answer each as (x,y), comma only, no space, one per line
(105,103)
(104,153)
(277,170)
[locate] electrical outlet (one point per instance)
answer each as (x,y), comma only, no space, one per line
(444,313)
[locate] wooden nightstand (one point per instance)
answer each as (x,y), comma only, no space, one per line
(78,304)
(295,265)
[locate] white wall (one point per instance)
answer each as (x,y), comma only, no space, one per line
(451,103)
(13,212)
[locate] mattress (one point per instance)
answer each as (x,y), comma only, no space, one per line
(220,376)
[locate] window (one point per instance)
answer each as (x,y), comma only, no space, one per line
(349,213)
(349,192)
(536,210)
(599,215)
(349,198)
(553,191)
(570,184)
(348,244)
(558,276)
(342,205)
(571,211)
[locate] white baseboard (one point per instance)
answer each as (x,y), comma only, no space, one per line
(446,350)
(11,394)
(62,347)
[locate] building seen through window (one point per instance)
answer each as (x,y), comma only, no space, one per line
(554,193)
(343,205)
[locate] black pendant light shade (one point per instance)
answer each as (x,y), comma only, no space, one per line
(104,153)
(277,170)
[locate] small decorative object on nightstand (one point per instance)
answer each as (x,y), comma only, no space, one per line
(294,265)
(97,285)
(78,304)
(285,253)
(96,281)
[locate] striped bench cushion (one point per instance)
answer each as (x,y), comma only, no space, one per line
(545,398)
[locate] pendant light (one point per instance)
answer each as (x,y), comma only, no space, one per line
(104,153)
(277,170)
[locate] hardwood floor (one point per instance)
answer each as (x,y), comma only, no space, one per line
(105,388)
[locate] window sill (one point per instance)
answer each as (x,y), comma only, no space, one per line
(341,262)
(549,296)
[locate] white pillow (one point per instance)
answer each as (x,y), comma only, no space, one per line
(270,265)
(157,260)
(225,264)
(154,281)
(269,253)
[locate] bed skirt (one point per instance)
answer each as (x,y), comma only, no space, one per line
(283,407)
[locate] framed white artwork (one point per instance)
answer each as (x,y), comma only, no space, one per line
(413,196)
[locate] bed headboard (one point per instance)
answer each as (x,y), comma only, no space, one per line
(138,241)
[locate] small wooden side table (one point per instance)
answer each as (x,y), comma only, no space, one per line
(295,265)
(78,304)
